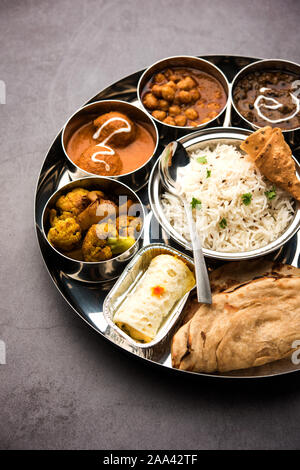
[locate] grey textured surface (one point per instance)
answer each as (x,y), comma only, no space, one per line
(63,387)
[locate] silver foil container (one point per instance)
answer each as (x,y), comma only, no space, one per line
(135,179)
(127,283)
(98,271)
(202,139)
(292,136)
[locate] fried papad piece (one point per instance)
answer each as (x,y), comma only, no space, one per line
(246,326)
(276,163)
(255,142)
(273,157)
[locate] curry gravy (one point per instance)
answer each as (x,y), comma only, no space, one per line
(133,156)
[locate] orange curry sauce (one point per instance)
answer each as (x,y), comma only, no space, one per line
(132,156)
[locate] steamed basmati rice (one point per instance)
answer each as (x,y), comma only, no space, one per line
(221,180)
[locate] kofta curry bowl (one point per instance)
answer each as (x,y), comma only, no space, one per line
(94,226)
(184,92)
(111,138)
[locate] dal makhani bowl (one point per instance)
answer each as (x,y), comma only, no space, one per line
(239,213)
(113,139)
(267,92)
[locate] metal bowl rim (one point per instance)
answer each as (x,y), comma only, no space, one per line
(91,263)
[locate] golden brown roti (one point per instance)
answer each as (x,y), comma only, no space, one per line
(248,324)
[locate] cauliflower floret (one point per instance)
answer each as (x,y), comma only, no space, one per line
(65,235)
(94,247)
(54,218)
(73,202)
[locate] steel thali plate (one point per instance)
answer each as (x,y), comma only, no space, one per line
(87,300)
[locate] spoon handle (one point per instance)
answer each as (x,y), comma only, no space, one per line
(202,280)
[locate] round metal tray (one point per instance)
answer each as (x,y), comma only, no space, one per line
(87,300)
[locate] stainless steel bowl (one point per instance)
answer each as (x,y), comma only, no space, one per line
(198,140)
(184,61)
(292,136)
(93,271)
(135,179)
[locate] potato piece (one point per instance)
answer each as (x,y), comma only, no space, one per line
(94,195)
(97,211)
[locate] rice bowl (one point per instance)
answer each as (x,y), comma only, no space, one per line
(235,208)
(200,140)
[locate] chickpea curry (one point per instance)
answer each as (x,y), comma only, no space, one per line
(184,97)
(88,226)
(111,145)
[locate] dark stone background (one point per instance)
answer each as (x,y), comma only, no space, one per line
(63,387)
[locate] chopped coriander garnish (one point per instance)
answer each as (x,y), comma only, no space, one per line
(271,194)
(208,173)
(247,198)
(202,159)
(195,202)
(223,223)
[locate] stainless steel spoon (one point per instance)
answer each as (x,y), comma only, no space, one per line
(173,157)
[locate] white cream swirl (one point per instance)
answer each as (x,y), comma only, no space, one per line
(108,150)
(276,105)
